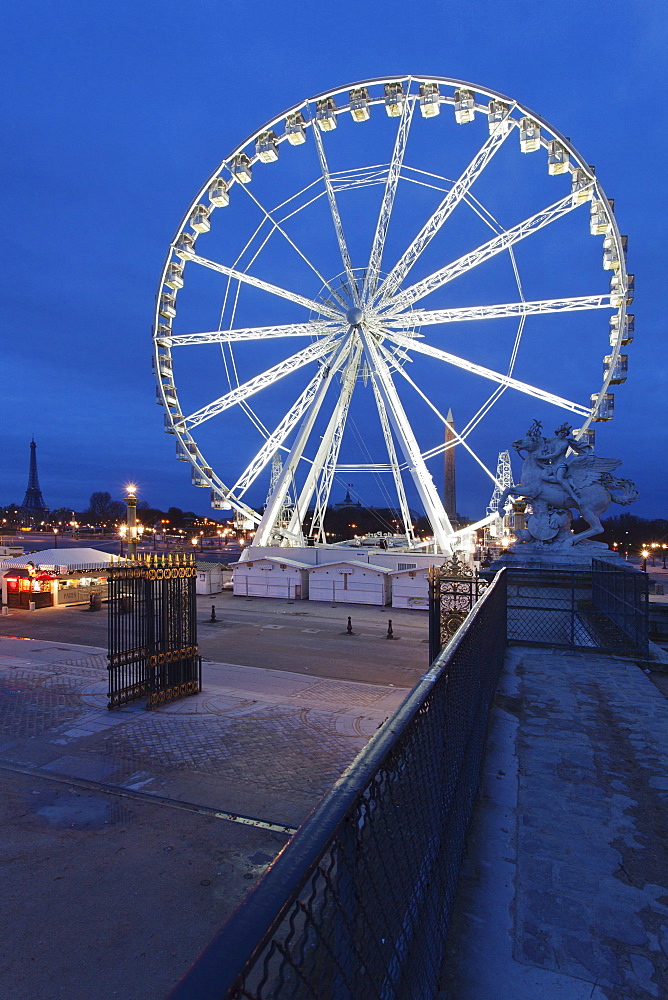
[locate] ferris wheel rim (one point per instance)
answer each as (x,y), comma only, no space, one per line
(197,459)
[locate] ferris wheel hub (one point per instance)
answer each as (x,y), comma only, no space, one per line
(354,316)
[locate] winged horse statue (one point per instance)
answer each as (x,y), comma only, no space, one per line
(561,474)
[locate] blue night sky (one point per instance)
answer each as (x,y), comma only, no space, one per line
(116,114)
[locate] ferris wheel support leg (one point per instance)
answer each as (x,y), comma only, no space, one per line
(327,455)
(266,527)
(424,483)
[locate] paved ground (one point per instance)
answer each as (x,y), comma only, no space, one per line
(564,892)
(305,636)
(127,837)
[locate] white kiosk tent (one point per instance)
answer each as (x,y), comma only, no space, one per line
(272,576)
(350,582)
(410,588)
(209,578)
(76,575)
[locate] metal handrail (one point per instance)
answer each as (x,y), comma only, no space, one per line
(241,940)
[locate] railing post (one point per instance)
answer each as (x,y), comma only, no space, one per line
(434,613)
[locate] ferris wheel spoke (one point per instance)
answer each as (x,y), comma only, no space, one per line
(276,439)
(489,373)
(394,172)
(266,529)
(278,228)
(424,483)
(336,217)
(259,382)
(503,241)
(394,462)
(459,437)
(266,286)
(455,195)
(429,317)
(316,328)
(321,473)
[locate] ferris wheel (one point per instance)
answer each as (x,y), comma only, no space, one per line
(341,227)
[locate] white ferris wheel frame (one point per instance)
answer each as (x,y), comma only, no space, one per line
(377,327)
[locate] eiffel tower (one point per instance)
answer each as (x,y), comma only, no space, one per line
(33,507)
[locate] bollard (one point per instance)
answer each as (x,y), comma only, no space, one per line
(5,609)
(349,630)
(31,605)
(213,613)
(390,633)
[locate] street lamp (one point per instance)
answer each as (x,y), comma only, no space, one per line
(644,555)
(55,538)
(131,503)
(663,552)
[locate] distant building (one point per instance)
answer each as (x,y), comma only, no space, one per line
(347,502)
(33,508)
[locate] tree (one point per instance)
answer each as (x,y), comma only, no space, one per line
(102,509)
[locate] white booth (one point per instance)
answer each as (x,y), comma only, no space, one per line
(410,588)
(350,582)
(209,578)
(271,576)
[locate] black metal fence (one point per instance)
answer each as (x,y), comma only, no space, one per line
(605,609)
(622,595)
(357,905)
(153,630)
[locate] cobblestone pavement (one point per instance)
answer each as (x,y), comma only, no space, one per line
(258,742)
(306,637)
(564,891)
(117,828)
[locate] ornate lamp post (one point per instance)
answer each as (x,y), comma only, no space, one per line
(55,538)
(644,555)
(131,503)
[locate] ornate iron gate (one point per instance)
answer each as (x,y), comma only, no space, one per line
(453,590)
(153,630)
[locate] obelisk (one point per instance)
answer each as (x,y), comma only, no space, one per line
(449,485)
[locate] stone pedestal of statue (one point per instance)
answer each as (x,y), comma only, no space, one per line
(546,556)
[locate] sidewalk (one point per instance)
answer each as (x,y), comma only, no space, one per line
(127,837)
(564,891)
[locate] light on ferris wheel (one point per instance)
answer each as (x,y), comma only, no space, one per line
(618,369)
(174,276)
(185,245)
(464,106)
(167,306)
(394,99)
(199,219)
(529,135)
(558,158)
(266,148)
(325,114)
(605,410)
(599,223)
(294,129)
(241,168)
(430,99)
(359,104)
(627,330)
(581,186)
(219,193)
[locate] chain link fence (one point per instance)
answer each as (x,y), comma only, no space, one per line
(358,903)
